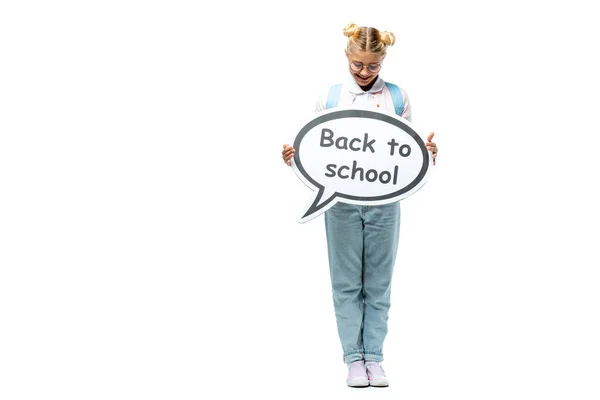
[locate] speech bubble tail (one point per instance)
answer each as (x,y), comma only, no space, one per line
(324,200)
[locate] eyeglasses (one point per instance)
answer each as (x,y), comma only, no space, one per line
(357,67)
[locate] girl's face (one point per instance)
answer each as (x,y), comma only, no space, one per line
(364,66)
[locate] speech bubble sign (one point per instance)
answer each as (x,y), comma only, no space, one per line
(360,157)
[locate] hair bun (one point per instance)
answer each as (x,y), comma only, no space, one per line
(387,38)
(350,29)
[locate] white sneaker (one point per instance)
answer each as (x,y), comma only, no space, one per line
(357,374)
(376,374)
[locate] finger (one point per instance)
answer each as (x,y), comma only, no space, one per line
(430,136)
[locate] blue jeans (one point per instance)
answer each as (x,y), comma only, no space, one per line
(362,242)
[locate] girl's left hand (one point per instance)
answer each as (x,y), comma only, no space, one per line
(432,147)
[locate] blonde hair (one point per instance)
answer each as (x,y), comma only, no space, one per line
(362,38)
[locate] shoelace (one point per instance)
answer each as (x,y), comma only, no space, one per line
(378,369)
(358,367)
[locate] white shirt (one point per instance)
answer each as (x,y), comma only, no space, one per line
(351,95)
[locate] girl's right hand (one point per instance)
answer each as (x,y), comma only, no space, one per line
(287,154)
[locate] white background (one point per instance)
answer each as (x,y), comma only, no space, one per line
(149,247)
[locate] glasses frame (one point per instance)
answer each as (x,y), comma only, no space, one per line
(353,68)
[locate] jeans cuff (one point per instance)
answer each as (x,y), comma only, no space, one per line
(373,356)
(352,356)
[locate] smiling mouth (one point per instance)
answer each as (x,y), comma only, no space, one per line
(361,78)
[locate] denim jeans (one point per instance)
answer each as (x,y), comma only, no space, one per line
(362,242)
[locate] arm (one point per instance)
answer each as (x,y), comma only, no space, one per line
(288,150)
(407,114)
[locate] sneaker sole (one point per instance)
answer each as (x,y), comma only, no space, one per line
(379,384)
(358,383)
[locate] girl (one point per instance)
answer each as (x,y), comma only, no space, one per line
(362,240)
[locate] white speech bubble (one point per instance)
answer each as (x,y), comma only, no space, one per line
(359,157)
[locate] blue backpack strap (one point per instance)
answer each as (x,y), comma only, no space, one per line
(396,97)
(334,96)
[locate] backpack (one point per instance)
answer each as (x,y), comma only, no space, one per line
(334,96)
